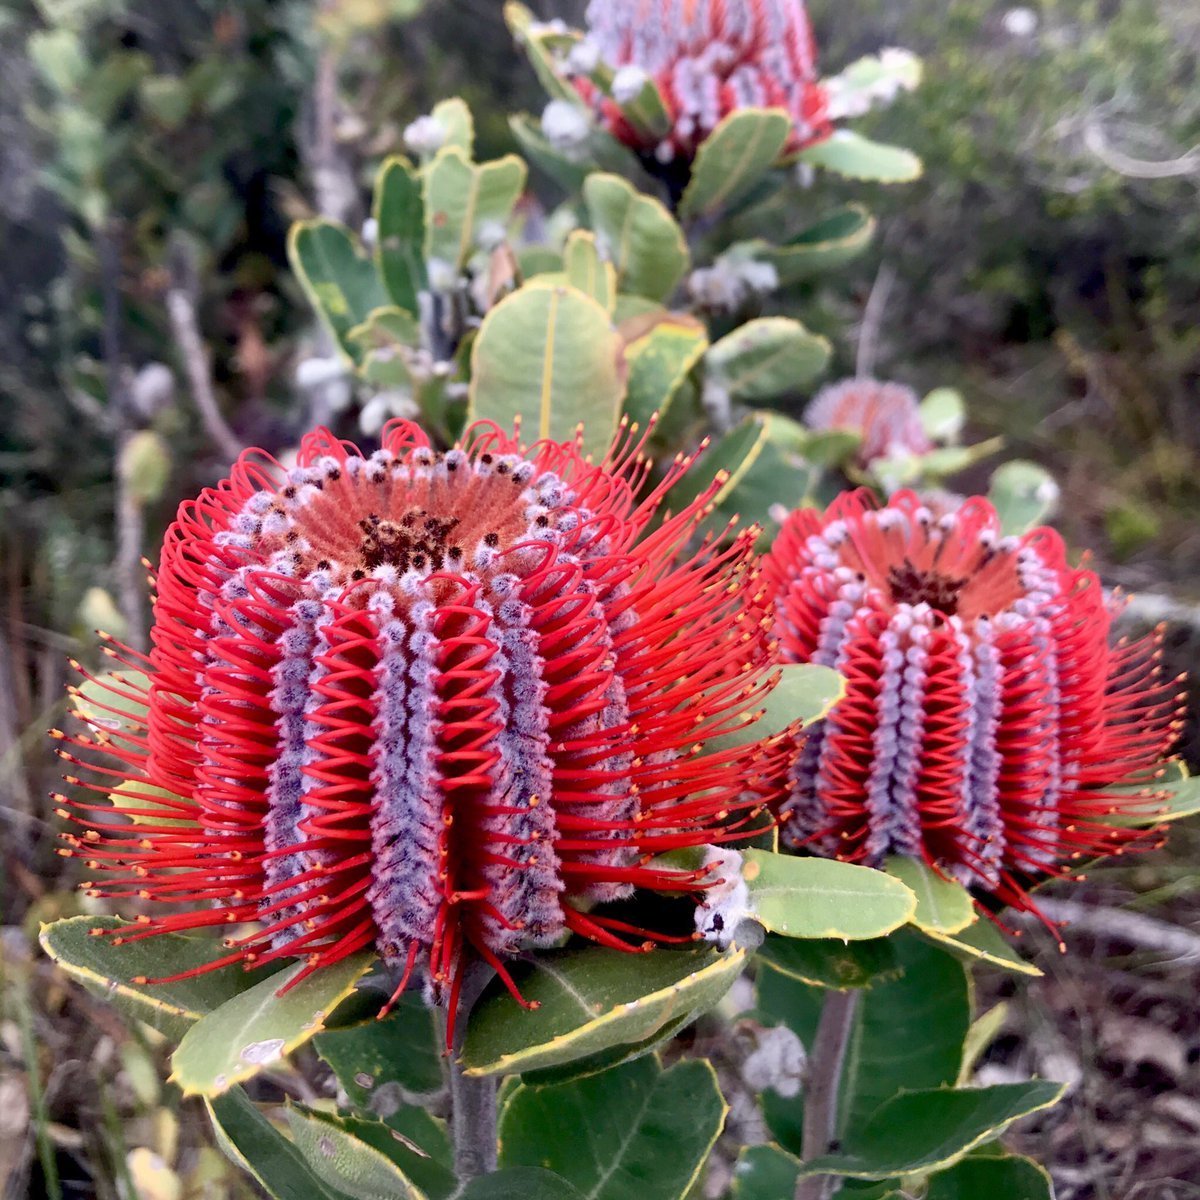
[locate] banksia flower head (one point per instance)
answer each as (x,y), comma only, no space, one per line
(437,703)
(708,58)
(987,705)
(885,415)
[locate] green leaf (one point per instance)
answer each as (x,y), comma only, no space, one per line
(1180,797)
(166,98)
(825,246)
(342,285)
(1004,1178)
(856,157)
(345,1162)
(908,1033)
(832,963)
(112,971)
(386,329)
(805,693)
(943,906)
(871,80)
(983,1032)
(646,111)
(635,1130)
(586,271)
(659,363)
(374,1060)
(766,357)
(521,1183)
(735,157)
(252,1143)
(457,125)
(1023,494)
(765,1173)
(525,30)
(943,414)
(467,206)
(551,356)
(591,1000)
(259,1026)
(823,898)
(637,235)
(399,212)
(984,942)
(567,171)
(922,1131)
(96,699)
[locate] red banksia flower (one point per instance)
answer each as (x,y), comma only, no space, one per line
(987,705)
(885,415)
(709,58)
(438,703)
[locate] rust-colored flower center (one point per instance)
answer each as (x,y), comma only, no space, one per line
(911,585)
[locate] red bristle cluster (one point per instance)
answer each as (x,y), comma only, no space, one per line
(987,706)
(436,703)
(708,58)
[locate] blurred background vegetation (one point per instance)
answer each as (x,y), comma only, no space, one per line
(152,156)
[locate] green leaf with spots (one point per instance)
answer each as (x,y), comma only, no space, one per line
(342,285)
(377,1061)
(1024,495)
(659,363)
(850,154)
(637,235)
(252,1143)
(983,942)
(345,1162)
(399,212)
(927,1130)
(823,898)
(766,357)
(467,207)
(1002,1178)
(634,1130)
(832,963)
(521,1183)
(830,243)
(587,271)
(591,1000)
(257,1028)
(551,356)
(734,158)
(908,1033)
(117,972)
(943,906)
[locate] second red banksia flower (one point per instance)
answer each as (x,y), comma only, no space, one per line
(987,705)
(435,703)
(709,58)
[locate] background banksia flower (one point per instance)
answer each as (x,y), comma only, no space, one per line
(885,415)
(429,702)
(986,704)
(709,58)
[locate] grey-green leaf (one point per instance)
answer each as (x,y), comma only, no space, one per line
(399,211)
(943,906)
(1024,494)
(850,154)
(765,1173)
(1002,1178)
(637,235)
(551,356)
(832,963)
(734,157)
(635,1130)
(805,693)
(117,972)
(926,1130)
(342,284)
(830,243)
(767,357)
(467,206)
(659,363)
(592,999)
(984,942)
(521,1183)
(257,1028)
(823,898)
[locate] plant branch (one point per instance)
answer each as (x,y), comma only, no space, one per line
(824,1083)
(1101,921)
(181,308)
(472,1100)
(872,322)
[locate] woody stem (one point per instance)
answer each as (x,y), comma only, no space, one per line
(824,1081)
(472,1100)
